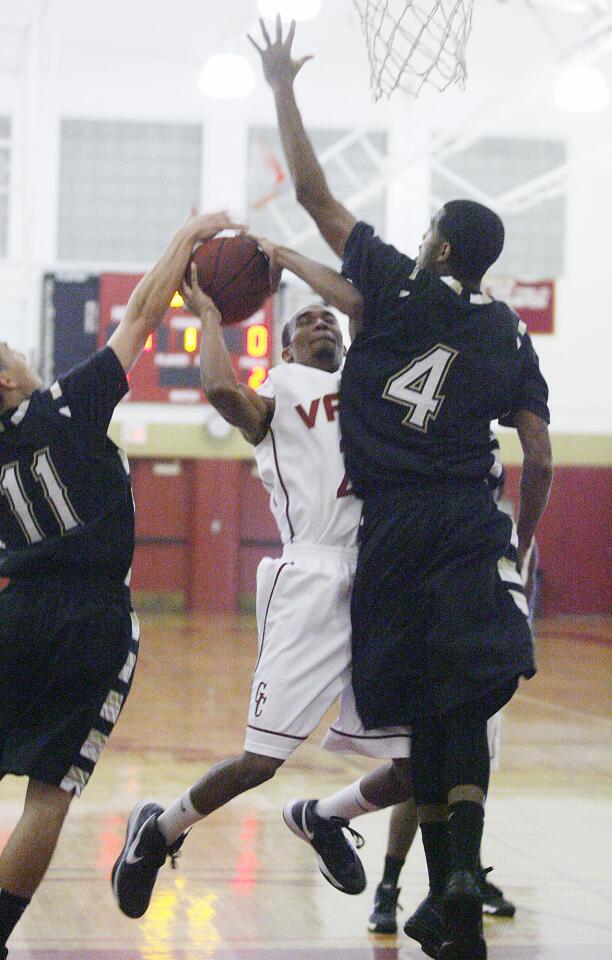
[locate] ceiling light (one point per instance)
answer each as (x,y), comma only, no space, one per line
(582,89)
(289,9)
(226,77)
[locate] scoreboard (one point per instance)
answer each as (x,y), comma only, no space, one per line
(169,368)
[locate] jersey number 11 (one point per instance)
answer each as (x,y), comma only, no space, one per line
(45,473)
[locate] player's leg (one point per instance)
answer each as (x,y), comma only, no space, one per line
(403,825)
(467,769)
(224,781)
(290,692)
(154,834)
(385,786)
(451,913)
(28,851)
(79,672)
(426,925)
(493,900)
(321,822)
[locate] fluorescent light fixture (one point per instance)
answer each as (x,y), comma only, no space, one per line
(582,89)
(289,9)
(226,76)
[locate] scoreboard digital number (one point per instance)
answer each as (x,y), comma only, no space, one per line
(169,368)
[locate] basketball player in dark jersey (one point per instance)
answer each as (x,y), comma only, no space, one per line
(68,636)
(440,631)
(403,823)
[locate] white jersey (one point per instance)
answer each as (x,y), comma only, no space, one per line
(300,461)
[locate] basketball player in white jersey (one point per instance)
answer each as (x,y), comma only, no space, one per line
(303,598)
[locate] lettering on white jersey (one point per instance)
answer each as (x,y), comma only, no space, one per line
(300,462)
(331,405)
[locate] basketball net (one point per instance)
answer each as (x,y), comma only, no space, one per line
(414,42)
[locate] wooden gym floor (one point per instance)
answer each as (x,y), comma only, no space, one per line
(246,889)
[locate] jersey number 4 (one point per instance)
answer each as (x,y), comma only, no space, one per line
(417,386)
(45,473)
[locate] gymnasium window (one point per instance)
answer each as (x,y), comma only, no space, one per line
(124,187)
(5,162)
(535,237)
(353,167)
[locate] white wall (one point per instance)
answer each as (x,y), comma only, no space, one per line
(140,60)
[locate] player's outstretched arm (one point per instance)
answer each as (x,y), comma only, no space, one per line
(238,404)
(334,221)
(149,301)
(328,283)
(536,476)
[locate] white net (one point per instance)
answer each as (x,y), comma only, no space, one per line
(413,42)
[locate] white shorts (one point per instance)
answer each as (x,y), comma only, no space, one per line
(304,657)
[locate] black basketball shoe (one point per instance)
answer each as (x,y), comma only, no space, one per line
(426,925)
(336,857)
(144,852)
(493,900)
(382,919)
(463,919)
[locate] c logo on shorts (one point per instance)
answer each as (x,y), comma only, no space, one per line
(260,698)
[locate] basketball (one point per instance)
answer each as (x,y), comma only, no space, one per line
(234,272)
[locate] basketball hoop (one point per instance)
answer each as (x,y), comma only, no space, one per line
(414,42)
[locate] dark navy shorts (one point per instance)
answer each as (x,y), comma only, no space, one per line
(439,616)
(68,649)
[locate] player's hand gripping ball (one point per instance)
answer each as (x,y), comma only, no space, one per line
(235,273)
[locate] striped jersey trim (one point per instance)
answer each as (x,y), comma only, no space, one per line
(79,773)
(20,413)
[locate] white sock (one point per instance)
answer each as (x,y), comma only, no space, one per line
(177,818)
(347,803)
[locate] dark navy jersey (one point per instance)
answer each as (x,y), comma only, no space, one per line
(428,373)
(65,494)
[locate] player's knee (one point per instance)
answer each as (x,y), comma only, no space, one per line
(43,800)
(257,768)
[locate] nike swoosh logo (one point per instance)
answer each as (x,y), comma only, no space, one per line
(307,833)
(131,857)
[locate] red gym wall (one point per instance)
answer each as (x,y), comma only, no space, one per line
(203,525)
(575,538)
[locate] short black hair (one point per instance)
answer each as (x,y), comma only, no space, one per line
(287,332)
(476,235)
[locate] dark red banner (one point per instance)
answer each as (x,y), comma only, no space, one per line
(533,300)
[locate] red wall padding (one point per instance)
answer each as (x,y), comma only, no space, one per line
(217,566)
(575,540)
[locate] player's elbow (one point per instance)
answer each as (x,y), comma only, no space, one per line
(223,397)
(538,467)
(217,392)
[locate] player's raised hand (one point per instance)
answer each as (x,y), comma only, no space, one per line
(196,301)
(278,65)
(203,226)
(271,251)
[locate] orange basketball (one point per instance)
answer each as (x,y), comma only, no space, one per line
(235,273)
